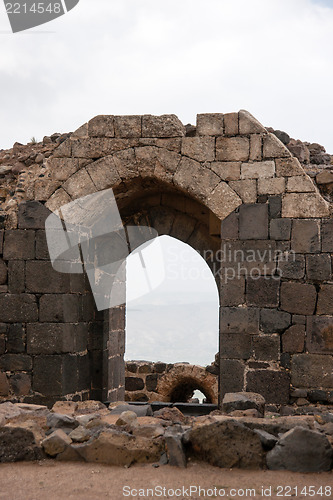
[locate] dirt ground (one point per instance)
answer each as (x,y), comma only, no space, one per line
(49,480)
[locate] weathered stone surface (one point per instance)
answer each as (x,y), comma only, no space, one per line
(42,278)
(59,421)
(17,445)
(65,407)
(210,124)
(303,205)
(59,307)
(262,291)
(280,229)
(253,222)
(243,401)
(58,199)
(325,300)
(248,124)
(301,450)
(305,236)
(319,267)
(246,189)
(196,179)
(273,148)
(223,201)
(239,320)
(80,434)
(56,338)
(231,376)
(235,345)
(256,147)
(127,418)
(300,184)
(311,370)
(327,236)
(133,384)
(56,443)
(319,334)
(140,411)
(258,169)
(3,272)
(19,244)
(232,148)
(104,173)
(268,441)
(101,126)
(32,215)
(79,184)
(227,444)
(18,308)
(199,148)
(291,265)
(16,276)
(298,298)
(115,448)
(272,385)
(233,292)
(171,414)
(4,385)
(162,126)
(127,126)
(274,185)
(293,339)
(231,126)
(266,347)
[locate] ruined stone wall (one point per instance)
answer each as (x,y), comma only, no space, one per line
(229,184)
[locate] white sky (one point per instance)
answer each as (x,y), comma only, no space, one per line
(272,57)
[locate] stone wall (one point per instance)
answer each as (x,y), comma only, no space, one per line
(228,185)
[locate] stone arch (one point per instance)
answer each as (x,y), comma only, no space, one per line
(178,384)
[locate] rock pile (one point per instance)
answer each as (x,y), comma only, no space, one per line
(127,433)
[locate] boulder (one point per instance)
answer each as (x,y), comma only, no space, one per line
(9,410)
(175,451)
(243,401)
(227,444)
(301,450)
(18,444)
(120,448)
(58,421)
(65,407)
(171,414)
(267,440)
(56,443)
(139,410)
(80,434)
(127,418)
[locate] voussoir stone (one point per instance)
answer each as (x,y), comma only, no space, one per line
(301,450)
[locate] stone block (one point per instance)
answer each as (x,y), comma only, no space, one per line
(16,362)
(104,173)
(253,222)
(101,126)
(32,215)
(134,384)
(300,184)
(19,244)
(266,347)
(305,236)
(312,370)
(195,179)
(16,276)
(79,184)
(239,320)
(233,292)
(151,382)
(246,190)
(273,185)
(291,266)
(42,251)
(319,267)
(226,170)
(258,169)
(162,126)
(1,240)
(319,334)
(48,375)
(235,346)
(44,188)
(4,385)
(231,126)
(223,200)
(95,148)
(262,291)
(62,168)
(232,148)
(273,148)
(325,300)
(199,148)
(280,229)
(248,124)
(15,338)
(273,321)
(51,338)
(229,227)
(60,307)
(248,257)
(298,298)
(304,205)
(3,272)
(20,384)
(293,339)
(127,126)
(58,199)
(2,345)
(288,167)
(231,376)
(210,124)
(18,308)
(272,385)
(42,278)
(256,147)
(327,236)
(275,206)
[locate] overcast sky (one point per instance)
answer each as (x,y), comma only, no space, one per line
(272,57)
